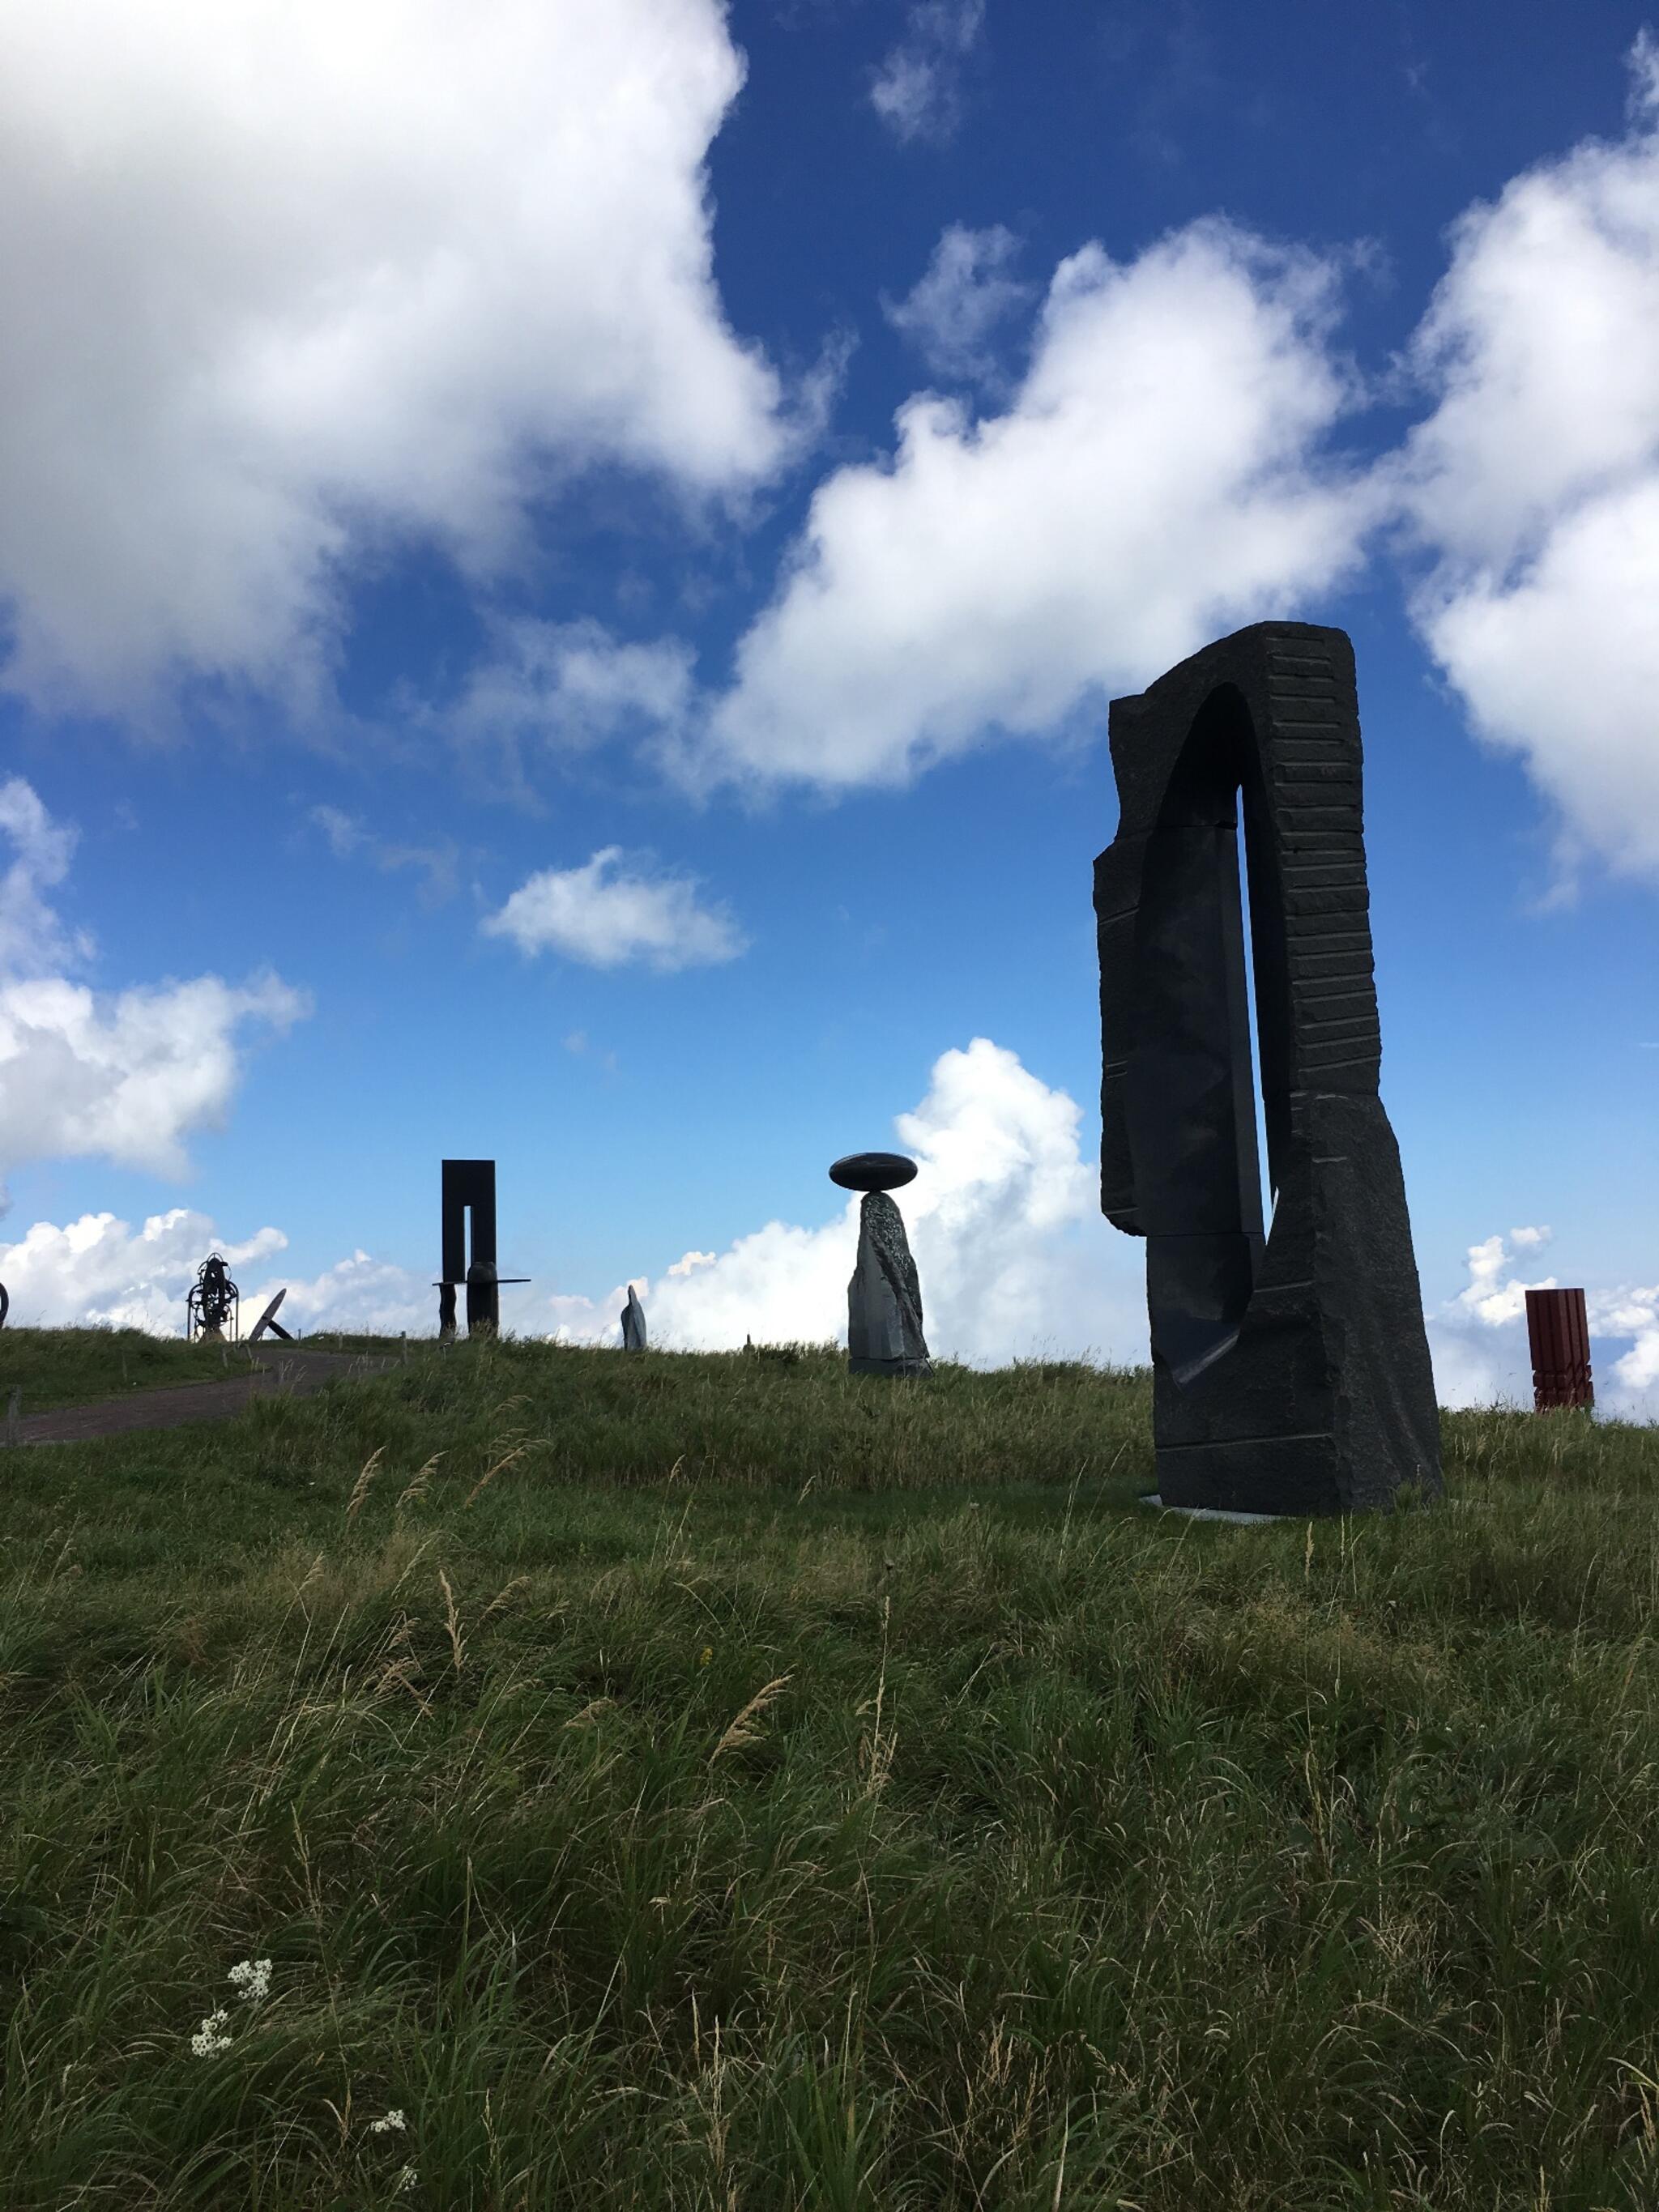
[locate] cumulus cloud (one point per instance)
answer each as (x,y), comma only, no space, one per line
(1479,1344)
(360,1295)
(606,917)
(966,292)
(917,91)
(99,1270)
(1153,481)
(126,1075)
(1004,1218)
(1535,481)
(301,279)
(33,939)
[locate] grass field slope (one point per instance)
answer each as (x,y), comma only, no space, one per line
(533,1778)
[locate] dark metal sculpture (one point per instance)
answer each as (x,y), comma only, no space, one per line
(211,1301)
(469,1188)
(1291,1370)
(884,1299)
(268,1320)
(5,1305)
(1558,1334)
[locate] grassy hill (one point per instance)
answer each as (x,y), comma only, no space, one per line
(71,1366)
(721,1783)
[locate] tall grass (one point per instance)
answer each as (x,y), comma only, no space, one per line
(721,1783)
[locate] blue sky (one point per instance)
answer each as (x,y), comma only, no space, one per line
(562,572)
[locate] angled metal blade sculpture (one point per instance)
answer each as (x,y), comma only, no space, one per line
(1291,1370)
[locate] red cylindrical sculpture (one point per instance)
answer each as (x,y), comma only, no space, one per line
(1560,1349)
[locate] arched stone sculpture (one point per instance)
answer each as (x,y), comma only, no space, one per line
(1290,1370)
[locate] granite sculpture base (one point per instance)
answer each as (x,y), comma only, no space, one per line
(1291,1370)
(1209,1512)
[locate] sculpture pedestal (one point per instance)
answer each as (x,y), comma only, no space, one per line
(1211,1512)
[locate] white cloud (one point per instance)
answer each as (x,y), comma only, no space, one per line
(99,1270)
(1004,1219)
(917,90)
(301,277)
(603,916)
(360,1295)
(126,1076)
(1536,482)
(31,937)
(1485,1298)
(565,687)
(965,292)
(1153,484)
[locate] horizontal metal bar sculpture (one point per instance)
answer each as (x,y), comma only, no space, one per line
(1558,1334)
(469,1190)
(1291,1370)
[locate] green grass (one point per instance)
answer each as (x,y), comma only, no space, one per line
(720,1783)
(70,1366)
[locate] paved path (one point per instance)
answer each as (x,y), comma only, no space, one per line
(298,1373)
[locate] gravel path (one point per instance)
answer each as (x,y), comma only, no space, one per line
(298,1372)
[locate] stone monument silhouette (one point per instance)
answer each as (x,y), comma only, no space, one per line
(1289,1367)
(469,1191)
(884,1299)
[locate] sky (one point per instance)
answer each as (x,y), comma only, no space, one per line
(561,573)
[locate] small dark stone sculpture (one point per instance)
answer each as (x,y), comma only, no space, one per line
(1291,1370)
(633,1322)
(884,1299)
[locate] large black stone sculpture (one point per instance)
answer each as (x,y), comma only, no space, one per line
(1290,1369)
(468,1196)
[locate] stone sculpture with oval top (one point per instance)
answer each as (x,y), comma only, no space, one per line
(884,1299)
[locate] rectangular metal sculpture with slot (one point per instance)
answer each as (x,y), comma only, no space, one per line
(469,1199)
(1290,1368)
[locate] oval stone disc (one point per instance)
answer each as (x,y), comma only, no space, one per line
(873,1172)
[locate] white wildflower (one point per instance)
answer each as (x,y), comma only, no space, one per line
(252,1979)
(394,2124)
(207,2038)
(408,2177)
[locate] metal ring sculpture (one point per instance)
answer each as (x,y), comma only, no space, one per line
(210,1303)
